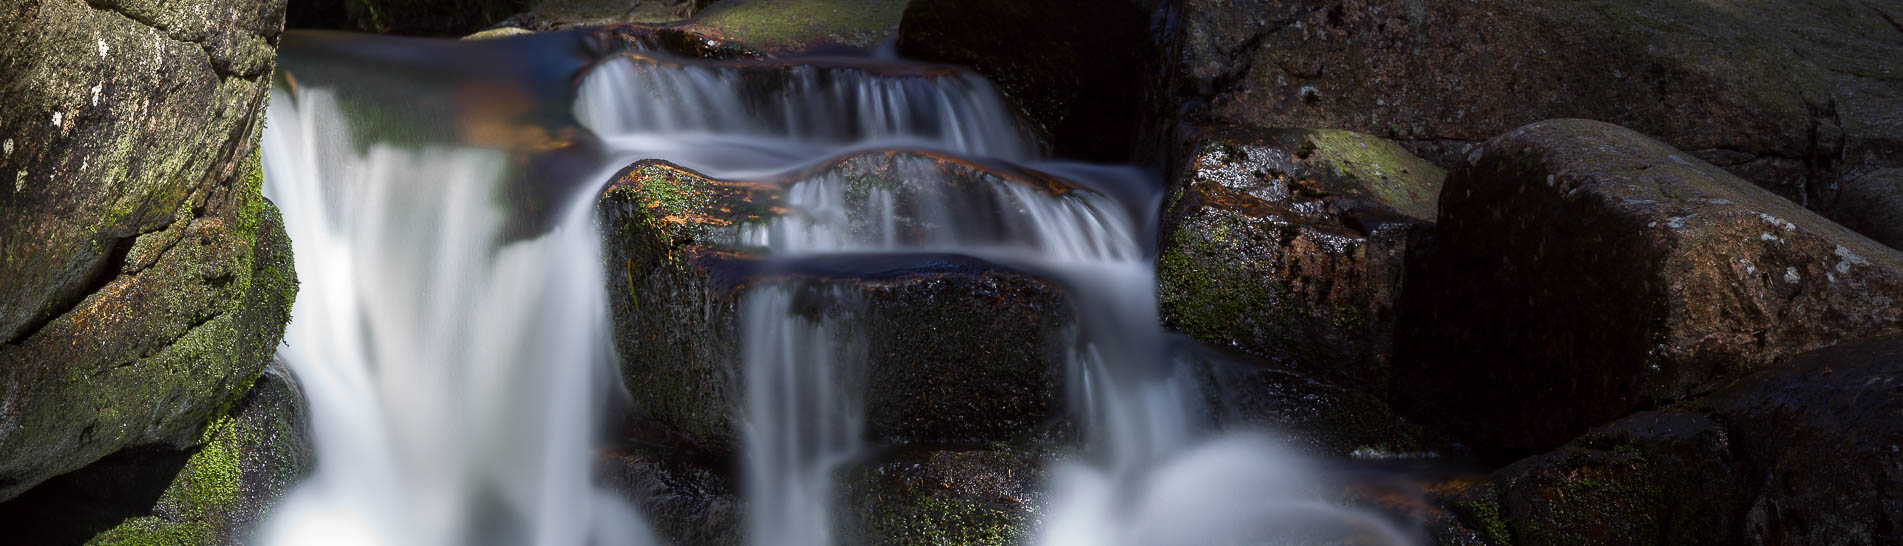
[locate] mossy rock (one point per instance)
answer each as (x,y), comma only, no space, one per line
(1296,245)
(213,493)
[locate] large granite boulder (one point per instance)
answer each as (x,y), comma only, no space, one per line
(146,280)
(1804,453)
(1802,97)
(1294,245)
(1582,262)
(959,350)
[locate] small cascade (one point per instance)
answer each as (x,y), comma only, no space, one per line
(456,367)
(453,377)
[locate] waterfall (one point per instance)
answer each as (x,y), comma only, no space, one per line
(451,374)
(455,368)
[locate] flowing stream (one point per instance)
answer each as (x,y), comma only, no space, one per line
(457,364)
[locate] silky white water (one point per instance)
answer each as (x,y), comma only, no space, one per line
(455,372)
(452,375)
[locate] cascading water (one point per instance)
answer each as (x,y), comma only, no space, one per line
(450,374)
(454,369)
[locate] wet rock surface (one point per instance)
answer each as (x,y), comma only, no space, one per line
(146,279)
(1800,97)
(1295,245)
(407,17)
(1581,261)
(960,350)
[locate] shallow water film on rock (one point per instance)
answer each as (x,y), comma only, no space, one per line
(1072,272)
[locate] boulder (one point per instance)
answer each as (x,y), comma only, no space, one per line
(960,350)
(1077,68)
(147,281)
(1801,453)
(1799,96)
(216,493)
(1581,261)
(1295,244)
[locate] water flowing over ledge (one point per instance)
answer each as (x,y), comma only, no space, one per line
(458,368)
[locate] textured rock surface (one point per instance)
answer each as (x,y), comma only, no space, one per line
(1073,66)
(1800,454)
(1799,96)
(1583,262)
(1295,245)
(213,494)
(960,350)
(790,26)
(146,279)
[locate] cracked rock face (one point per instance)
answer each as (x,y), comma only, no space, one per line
(1582,262)
(1798,96)
(145,279)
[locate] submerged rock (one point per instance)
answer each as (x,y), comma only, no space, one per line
(1797,96)
(1295,245)
(147,281)
(1583,262)
(960,350)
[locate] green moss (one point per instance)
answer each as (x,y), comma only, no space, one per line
(1485,515)
(152,531)
(213,477)
(1394,176)
(1199,292)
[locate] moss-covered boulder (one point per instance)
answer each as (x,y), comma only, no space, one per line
(1294,245)
(215,493)
(1077,68)
(960,350)
(1798,96)
(147,281)
(988,497)
(1584,262)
